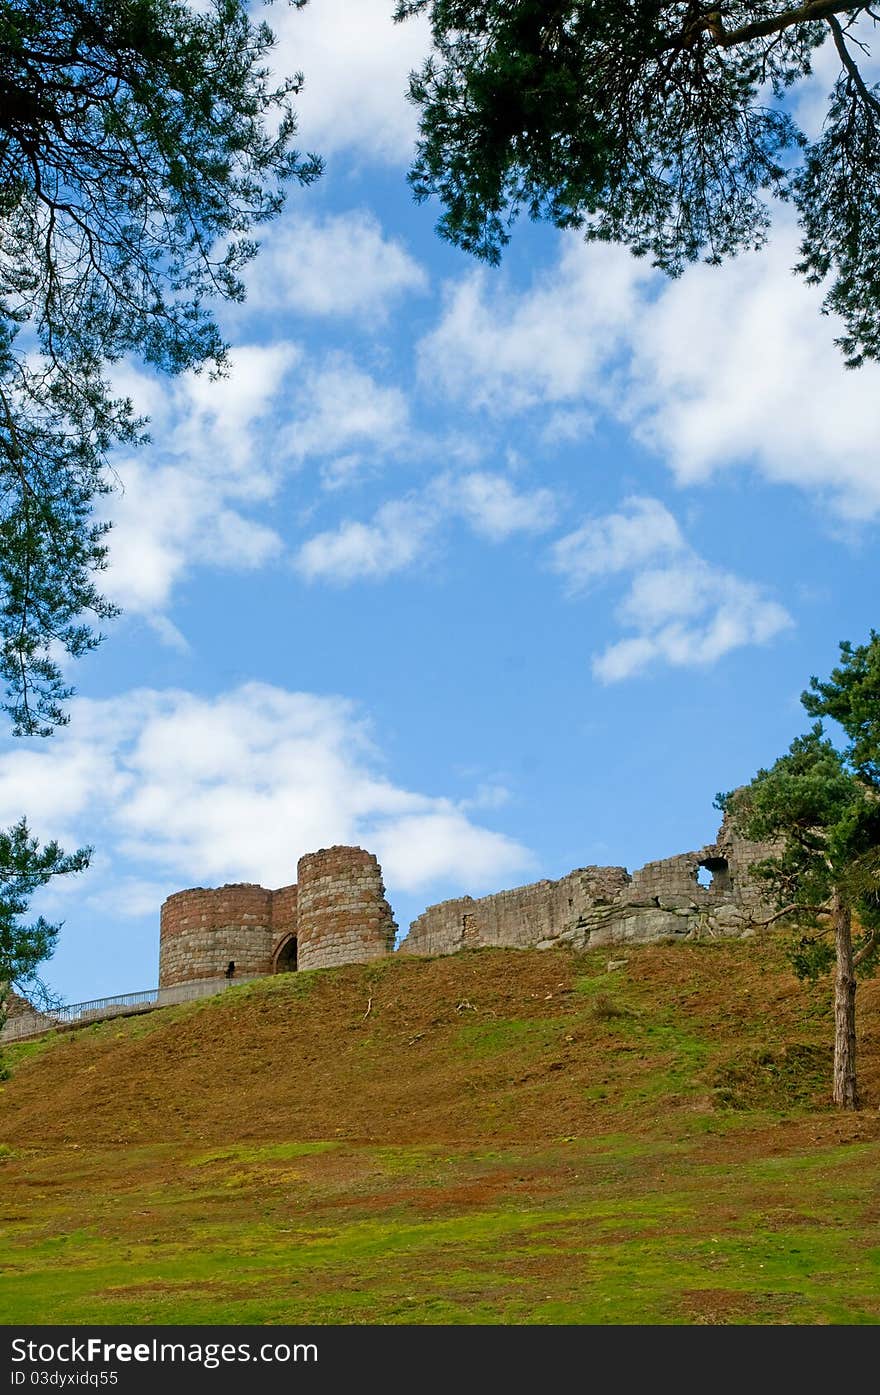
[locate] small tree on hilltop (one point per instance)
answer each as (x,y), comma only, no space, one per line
(24,868)
(821,807)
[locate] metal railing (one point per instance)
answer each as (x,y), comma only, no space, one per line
(35,1023)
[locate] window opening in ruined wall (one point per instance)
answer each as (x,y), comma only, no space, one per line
(714,874)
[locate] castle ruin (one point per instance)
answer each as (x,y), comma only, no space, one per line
(337,913)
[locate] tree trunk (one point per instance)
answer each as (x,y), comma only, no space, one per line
(846,1095)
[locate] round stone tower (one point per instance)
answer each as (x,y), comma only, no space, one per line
(342,914)
(201,931)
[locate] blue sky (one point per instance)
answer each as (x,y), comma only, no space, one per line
(494,572)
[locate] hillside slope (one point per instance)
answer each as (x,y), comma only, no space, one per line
(497,1137)
(486,1044)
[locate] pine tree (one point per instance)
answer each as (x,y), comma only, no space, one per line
(821,807)
(142,142)
(648,123)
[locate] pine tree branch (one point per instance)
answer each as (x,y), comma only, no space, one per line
(787,910)
(713,23)
(851,66)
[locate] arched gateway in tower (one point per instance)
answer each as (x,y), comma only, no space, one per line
(284,956)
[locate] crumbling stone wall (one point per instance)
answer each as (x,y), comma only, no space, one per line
(532,915)
(606,905)
(342,914)
(14,1005)
(337,913)
(202,929)
(19,1017)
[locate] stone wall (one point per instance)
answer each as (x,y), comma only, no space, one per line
(531,915)
(19,1019)
(606,905)
(202,929)
(342,914)
(284,918)
(337,913)
(14,1005)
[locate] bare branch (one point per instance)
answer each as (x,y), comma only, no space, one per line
(788,910)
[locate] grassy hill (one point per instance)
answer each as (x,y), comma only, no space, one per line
(498,1136)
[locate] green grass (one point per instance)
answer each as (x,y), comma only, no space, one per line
(502,1035)
(592,1231)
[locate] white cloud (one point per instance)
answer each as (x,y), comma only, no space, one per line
(640,532)
(726,367)
(490,794)
(181,790)
(567,424)
(183,499)
(339,265)
(393,540)
(495,509)
(218,417)
(170,518)
(356,65)
(684,611)
(420,848)
(220,452)
(341,411)
(508,352)
(401,531)
(169,634)
(736,366)
(689,616)
(128,897)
